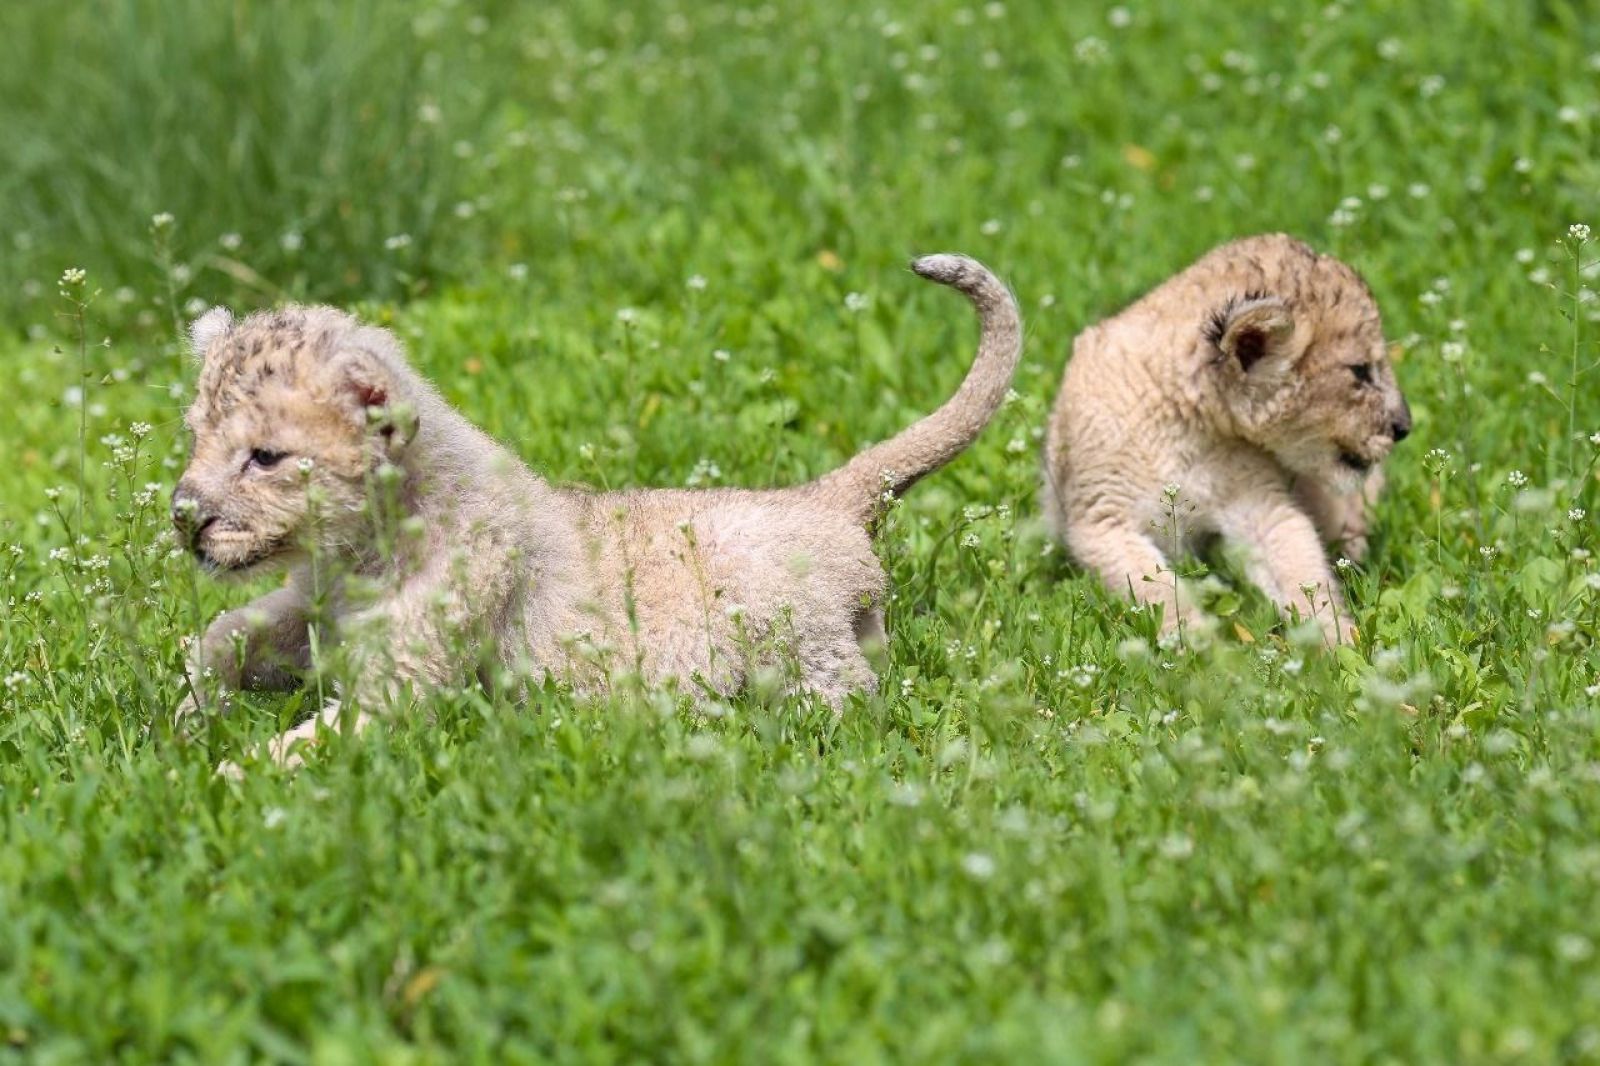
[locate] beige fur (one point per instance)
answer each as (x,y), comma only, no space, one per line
(1250,396)
(434,551)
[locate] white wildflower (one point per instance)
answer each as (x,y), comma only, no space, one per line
(1091,50)
(978,866)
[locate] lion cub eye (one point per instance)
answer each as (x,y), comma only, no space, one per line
(266,458)
(1363,373)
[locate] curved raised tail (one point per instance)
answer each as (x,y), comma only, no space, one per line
(923,447)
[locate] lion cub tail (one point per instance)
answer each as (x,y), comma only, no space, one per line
(899,462)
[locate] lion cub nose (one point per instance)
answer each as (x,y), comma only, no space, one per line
(1400,428)
(188,516)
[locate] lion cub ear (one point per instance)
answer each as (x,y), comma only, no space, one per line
(374,392)
(1253,331)
(207,330)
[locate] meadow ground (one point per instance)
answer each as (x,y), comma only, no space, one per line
(665,245)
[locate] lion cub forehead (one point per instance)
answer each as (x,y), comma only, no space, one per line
(1287,267)
(288,338)
(1333,299)
(269,352)
(1342,310)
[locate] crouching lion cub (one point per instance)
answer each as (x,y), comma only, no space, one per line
(304,416)
(1250,397)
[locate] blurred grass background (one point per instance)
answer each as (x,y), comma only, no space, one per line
(292,141)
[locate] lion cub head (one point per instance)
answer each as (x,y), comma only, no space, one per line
(1305,370)
(294,411)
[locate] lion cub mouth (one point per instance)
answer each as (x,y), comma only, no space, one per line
(1352,461)
(242,564)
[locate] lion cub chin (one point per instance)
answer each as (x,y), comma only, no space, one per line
(1250,397)
(319,451)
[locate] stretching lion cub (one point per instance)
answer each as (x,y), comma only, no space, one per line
(1250,396)
(304,416)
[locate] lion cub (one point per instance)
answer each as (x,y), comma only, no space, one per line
(1250,397)
(312,437)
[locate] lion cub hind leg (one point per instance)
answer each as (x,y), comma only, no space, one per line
(833,666)
(840,630)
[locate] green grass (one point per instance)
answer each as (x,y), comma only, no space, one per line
(1049,838)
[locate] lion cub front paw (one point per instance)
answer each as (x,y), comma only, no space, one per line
(190,715)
